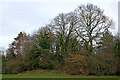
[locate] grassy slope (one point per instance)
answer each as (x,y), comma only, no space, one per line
(48,74)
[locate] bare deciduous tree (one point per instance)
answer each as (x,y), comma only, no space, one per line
(63,26)
(92,23)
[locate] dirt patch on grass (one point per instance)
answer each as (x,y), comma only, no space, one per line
(38,72)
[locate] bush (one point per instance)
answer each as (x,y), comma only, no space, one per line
(13,67)
(102,64)
(75,65)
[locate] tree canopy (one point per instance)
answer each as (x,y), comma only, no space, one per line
(75,43)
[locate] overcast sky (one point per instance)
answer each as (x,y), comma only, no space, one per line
(29,15)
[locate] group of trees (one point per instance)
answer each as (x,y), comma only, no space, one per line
(75,43)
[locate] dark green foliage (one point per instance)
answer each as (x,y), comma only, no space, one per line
(116,48)
(17,38)
(116,51)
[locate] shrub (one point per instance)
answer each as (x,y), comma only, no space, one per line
(102,64)
(75,65)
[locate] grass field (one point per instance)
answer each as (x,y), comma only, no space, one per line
(34,74)
(57,77)
(53,76)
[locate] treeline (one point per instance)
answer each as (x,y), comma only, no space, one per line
(74,43)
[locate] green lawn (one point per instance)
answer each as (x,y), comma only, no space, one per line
(56,77)
(52,76)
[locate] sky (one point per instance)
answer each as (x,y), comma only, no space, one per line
(29,15)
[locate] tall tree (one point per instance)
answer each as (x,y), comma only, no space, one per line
(63,26)
(16,47)
(42,48)
(92,23)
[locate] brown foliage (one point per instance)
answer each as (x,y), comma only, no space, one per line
(76,64)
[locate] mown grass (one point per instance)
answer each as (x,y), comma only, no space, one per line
(56,77)
(51,74)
